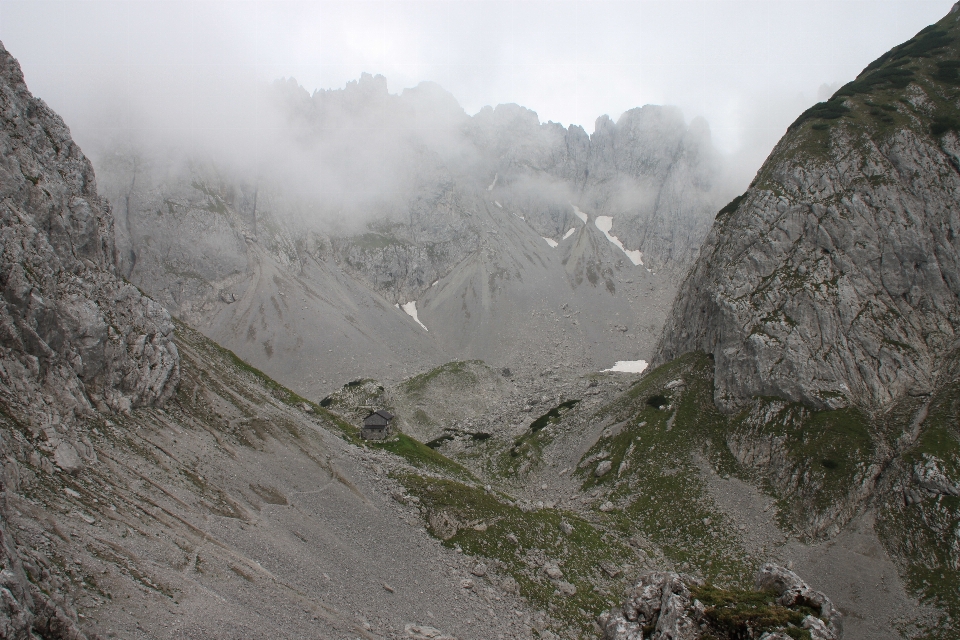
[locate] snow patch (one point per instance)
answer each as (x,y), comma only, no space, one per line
(569,233)
(579,214)
(411,310)
(498,204)
(605,223)
(551,242)
(629,366)
(493,184)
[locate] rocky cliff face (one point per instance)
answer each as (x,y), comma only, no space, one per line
(393,194)
(834,280)
(75,338)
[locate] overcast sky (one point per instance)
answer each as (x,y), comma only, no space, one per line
(749,68)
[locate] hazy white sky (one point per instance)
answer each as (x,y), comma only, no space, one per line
(748,67)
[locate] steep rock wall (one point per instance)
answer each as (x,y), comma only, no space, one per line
(834,279)
(74,337)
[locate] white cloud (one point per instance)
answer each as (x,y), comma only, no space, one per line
(748,67)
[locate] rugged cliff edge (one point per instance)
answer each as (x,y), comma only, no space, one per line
(834,280)
(74,337)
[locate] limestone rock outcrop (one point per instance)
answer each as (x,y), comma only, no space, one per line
(835,279)
(663,605)
(74,337)
(659,606)
(828,624)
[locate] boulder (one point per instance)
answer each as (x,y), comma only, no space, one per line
(792,591)
(662,606)
(603,468)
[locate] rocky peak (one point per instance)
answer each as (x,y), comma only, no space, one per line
(834,279)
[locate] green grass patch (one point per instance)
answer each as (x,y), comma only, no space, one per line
(743,613)
(419,455)
(655,481)
(527,449)
(458,370)
(522,543)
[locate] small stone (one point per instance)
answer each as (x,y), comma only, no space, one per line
(566,528)
(567,589)
(466,583)
(603,468)
(512,538)
(480,570)
(423,632)
(553,572)
(388,588)
(607,507)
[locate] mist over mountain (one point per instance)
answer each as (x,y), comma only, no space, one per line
(490,224)
(340,365)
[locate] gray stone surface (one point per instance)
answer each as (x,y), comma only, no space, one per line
(834,282)
(660,606)
(75,338)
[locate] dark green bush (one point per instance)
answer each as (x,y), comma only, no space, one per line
(657,401)
(893,77)
(552,416)
(948,71)
(732,205)
(437,442)
(943,124)
(829,110)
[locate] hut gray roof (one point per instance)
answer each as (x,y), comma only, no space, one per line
(379,418)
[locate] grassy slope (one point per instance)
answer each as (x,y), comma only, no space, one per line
(924,537)
(446,489)
(821,473)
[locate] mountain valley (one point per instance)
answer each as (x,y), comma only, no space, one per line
(189,348)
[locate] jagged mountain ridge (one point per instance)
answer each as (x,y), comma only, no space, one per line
(210,501)
(447,190)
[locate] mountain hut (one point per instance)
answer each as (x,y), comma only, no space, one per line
(376,426)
